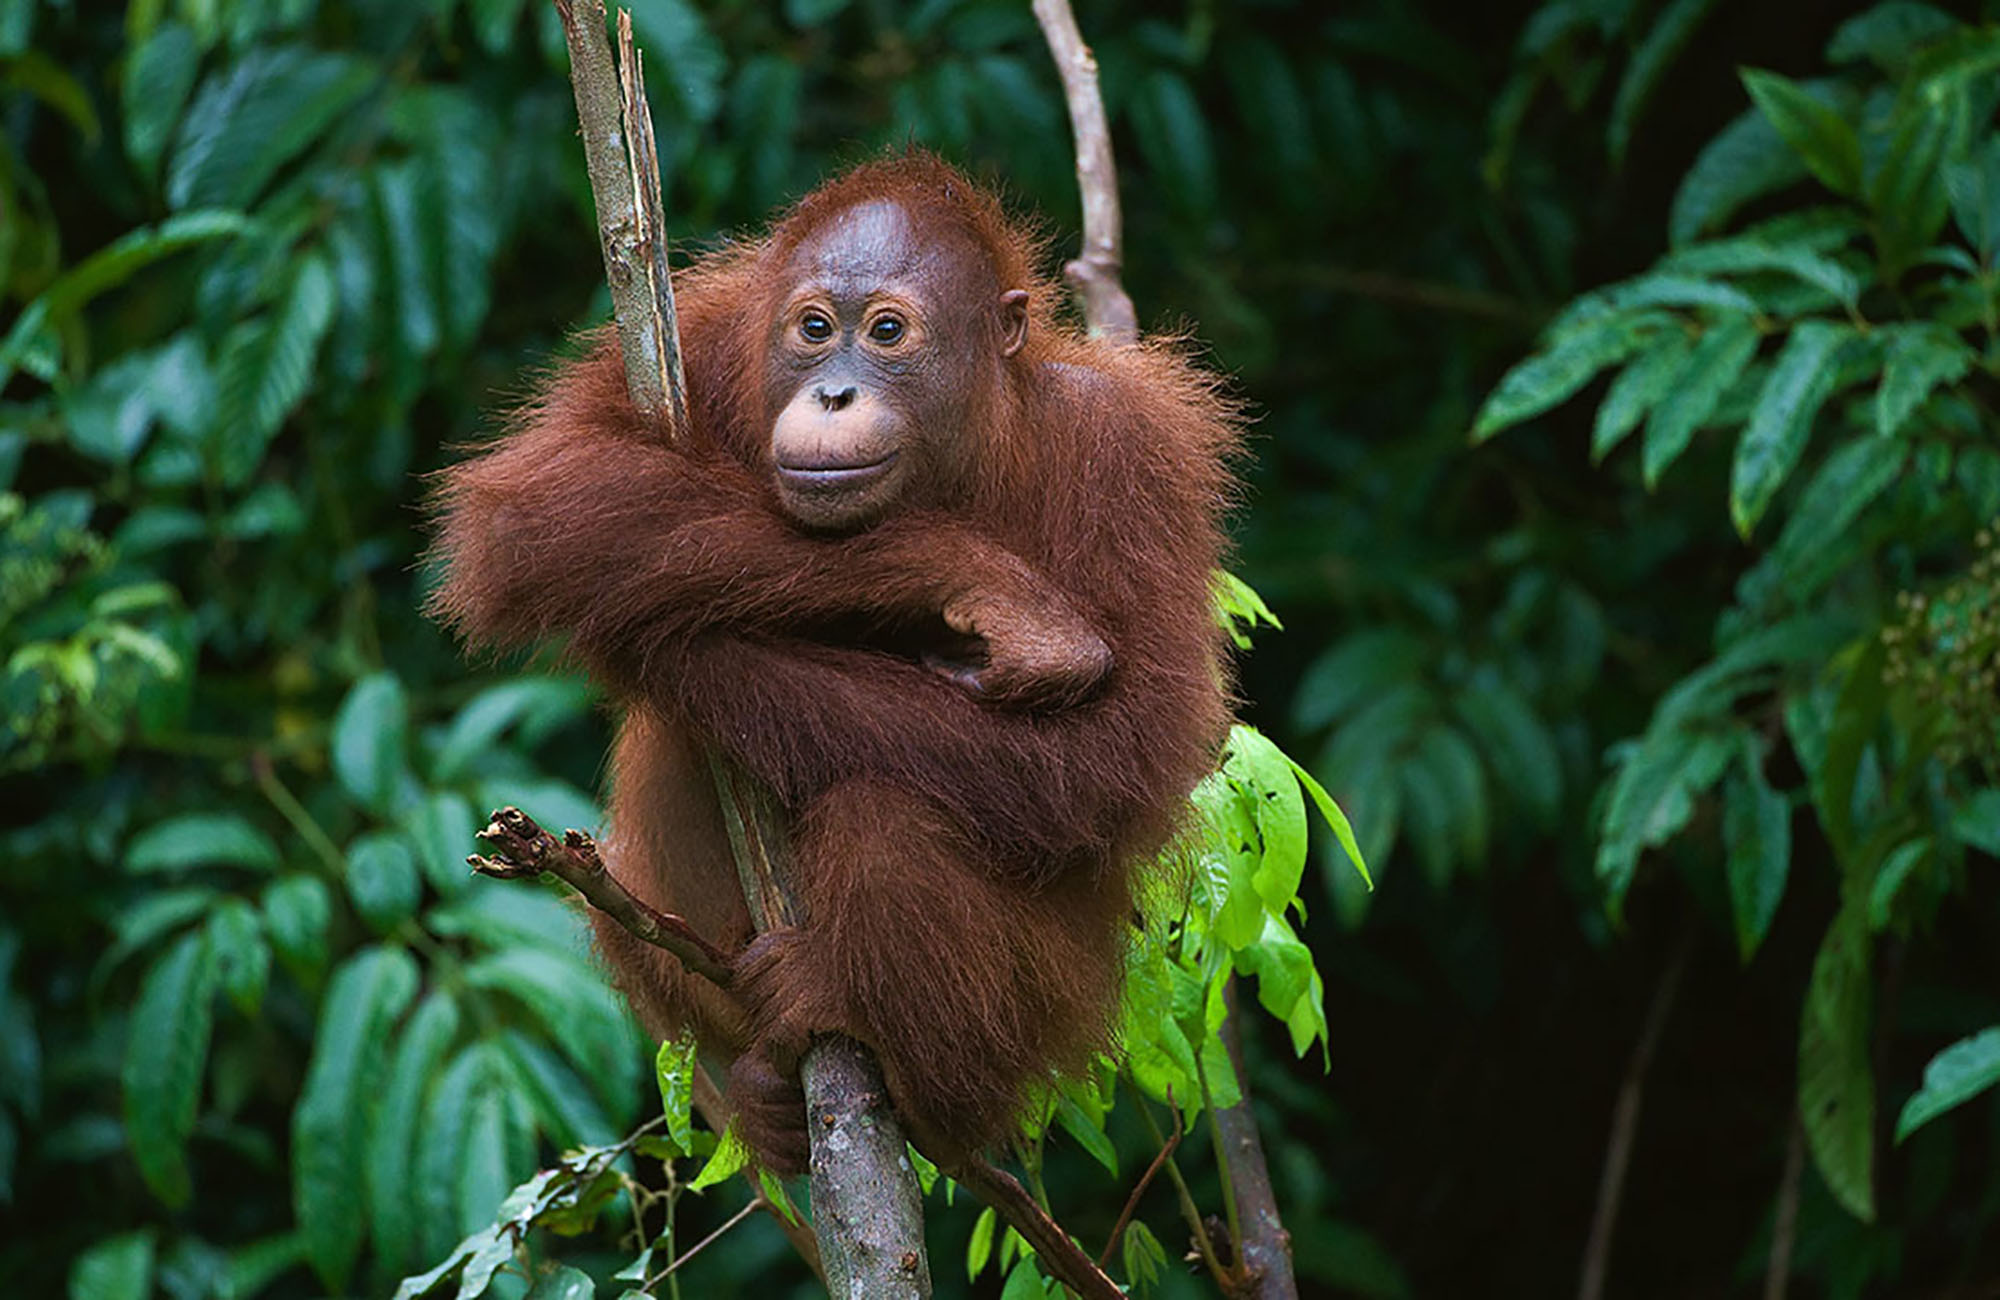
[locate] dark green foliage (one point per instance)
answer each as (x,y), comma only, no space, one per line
(1705,643)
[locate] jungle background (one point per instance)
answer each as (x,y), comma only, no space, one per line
(1667,715)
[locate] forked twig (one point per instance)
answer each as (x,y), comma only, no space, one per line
(521,849)
(1139,1189)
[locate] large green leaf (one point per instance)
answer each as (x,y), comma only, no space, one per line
(1919,356)
(1745,161)
(1954,1076)
(394,1207)
(255,115)
(1716,362)
(1551,377)
(1836,1087)
(1652,796)
(117,1268)
(338,1104)
(166,1053)
(191,840)
(382,880)
(370,741)
(1825,140)
(1801,379)
(158,77)
(265,367)
(1642,385)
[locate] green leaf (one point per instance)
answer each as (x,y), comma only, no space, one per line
(1343,830)
(297,911)
(1954,1076)
(1662,43)
(201,840)
(1353,671)
(242,957)
(538,705)
(158,77)
(1921,355)
(1711,369)
(1757,829)
(732,1153)
(370,737)
(1973,188)
(254,116)
(1815,131)
(1144,1257)
(1639,387)
(1801,380)
(117,1268)
(1747,160)
(574,1007)
(1888,34)
(1516,744)
(1836,1088)
(1025,1282)
(979,1249)
(565,1107)
(166,1054)
(1652,797)
(1890,878)
(673,1068)
(391,1192)
(265,368)
(1817,538)
(382,880)
(442,830)
(1551,377)
(1174,141)
(339,1102)
(562,1282)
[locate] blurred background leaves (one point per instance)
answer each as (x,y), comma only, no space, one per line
(1699,653)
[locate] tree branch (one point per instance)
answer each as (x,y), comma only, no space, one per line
(1063,1258)
(1266,1254)
(523,849)
(867,1213)
(1107,309)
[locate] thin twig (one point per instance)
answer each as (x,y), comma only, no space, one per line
(1190,1212)
(1625,1125)
(1139,1190)
(1107,309)
(1785,1220)
(1061,1256)
(756,1203)
(521,849)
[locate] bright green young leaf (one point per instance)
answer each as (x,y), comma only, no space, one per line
(1025,1282)
(979,1249)
(1954,1076)
(1920,355)
(191,840)
(673,1068)
(1144,1257)
(1836,1086)
(166,1055)
(1824,139)
(1550,378)
(339,1102)
(1712,367)
(370,734)
(1343,830)
(1090,1136)
(1757,831)
(1643,384)
(731,1155)
(1801,380)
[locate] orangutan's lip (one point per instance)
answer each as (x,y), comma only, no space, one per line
(822,477)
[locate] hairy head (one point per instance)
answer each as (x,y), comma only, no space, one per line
(890,323)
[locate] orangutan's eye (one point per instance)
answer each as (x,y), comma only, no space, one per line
(887,330)
(814,327)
